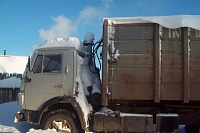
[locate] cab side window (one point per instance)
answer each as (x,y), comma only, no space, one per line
(52,63)
(37,68)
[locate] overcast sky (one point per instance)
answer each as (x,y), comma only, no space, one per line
(25,23)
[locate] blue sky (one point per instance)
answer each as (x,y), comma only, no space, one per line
(25,23)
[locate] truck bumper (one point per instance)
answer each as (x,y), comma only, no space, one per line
(28,116)
(19,116)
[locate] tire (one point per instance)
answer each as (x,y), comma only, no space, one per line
(192,129)
(61,120)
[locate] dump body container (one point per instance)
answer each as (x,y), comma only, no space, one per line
(149,62)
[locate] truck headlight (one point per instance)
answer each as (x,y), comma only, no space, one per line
(20,99)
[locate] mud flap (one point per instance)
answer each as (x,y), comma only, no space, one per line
(19,116)
(167,123)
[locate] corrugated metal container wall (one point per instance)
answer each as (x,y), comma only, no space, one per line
(154,63)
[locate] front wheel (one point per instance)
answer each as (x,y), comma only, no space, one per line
(61,120)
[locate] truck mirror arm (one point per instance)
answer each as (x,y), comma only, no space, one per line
(28,79)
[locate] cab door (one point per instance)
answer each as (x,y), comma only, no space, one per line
(47,79)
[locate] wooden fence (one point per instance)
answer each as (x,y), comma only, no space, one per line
(8,94)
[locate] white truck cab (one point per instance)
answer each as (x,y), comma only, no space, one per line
(52,75)
(54,82)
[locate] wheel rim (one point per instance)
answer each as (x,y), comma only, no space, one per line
(61,126)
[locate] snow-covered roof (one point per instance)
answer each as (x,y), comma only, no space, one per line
(13,64)
(64,42)
(172,22)
(12,82)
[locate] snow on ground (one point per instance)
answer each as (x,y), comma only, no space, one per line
(7,113)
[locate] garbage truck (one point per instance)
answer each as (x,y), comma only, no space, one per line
(143,71)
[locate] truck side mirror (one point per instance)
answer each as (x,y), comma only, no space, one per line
(29,63)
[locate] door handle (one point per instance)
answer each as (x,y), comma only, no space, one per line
(58,86)
(66,70)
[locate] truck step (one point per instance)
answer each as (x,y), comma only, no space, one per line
(123,122)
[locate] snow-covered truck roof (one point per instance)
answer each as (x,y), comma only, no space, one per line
(63,43)
(171,22)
